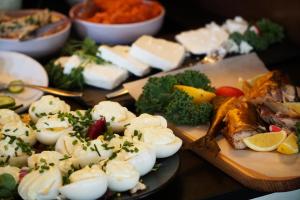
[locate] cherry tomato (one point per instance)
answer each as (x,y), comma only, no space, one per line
(274,128)
(97,128)
(229,91)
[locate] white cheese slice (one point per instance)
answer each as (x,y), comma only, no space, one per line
(238,24)
(119,55)
(203,40)
(105,76)
(73,62)
(158,53)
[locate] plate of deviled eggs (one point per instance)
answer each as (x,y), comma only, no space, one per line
(104,152)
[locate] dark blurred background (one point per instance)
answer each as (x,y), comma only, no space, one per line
(186,14)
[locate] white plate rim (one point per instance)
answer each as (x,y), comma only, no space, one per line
(43,71)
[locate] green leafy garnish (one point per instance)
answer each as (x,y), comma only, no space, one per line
(58,79)
(297,128)
(182,111)
(159,96)
(86,49)
(87,46)
(8,186)
(269,33)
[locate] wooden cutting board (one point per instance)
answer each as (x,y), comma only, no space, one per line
(264,171)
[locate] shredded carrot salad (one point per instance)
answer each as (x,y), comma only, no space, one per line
(124,11)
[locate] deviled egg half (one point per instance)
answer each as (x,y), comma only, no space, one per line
(145,120)
(153,131)
(90,152)
(20,130)
(59,160)
(121,175)
(82,152)
(141,155)
(41,183)
(51,127)
(8,116)
(81,167)
(48,104)
(14,151)
(163,140)
(85,184)
(115,114)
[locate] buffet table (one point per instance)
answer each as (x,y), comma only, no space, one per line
(196,178)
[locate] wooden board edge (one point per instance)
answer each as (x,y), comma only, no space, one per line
(245,176)
(250,179)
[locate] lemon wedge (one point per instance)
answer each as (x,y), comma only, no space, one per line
(294,106)
(265,141)
(199,95)
(289,145)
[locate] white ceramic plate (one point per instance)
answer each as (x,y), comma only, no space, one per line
(115,33)
(40,46)
(17,66)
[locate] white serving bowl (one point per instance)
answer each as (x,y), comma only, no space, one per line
(115,33)
(40,46)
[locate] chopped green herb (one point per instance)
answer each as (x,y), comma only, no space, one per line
(96,148)
(156,166)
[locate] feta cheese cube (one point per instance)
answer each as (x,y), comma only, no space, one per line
(105,76)
(203,40)
(119,55)
(158,53)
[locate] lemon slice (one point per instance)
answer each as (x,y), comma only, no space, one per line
(294,106)
(199,95)
(265,141)
(289,145)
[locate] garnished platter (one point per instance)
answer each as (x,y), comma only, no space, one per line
(266,171)
(107,151)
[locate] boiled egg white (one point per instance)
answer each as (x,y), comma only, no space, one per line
(143,160)
(163,140)
(121,175)
(87,183)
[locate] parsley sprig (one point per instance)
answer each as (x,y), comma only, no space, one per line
(159,96)
(269,33)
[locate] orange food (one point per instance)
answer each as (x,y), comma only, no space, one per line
(124,11)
